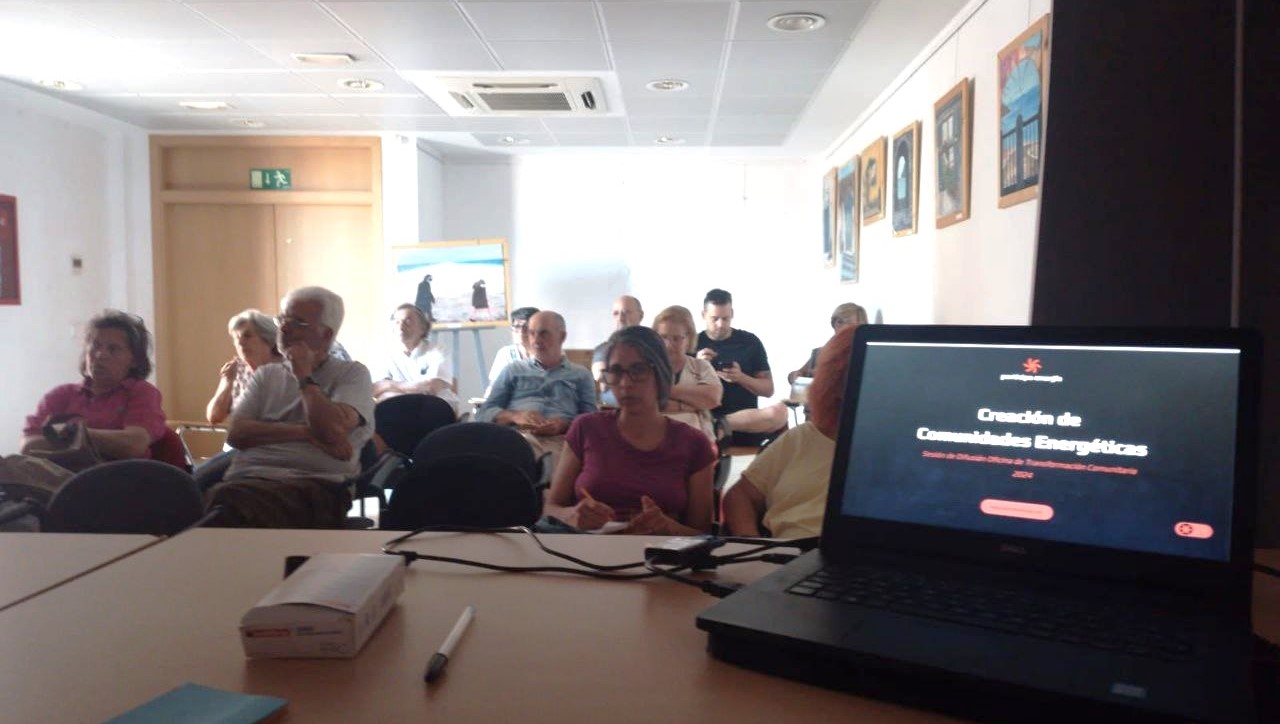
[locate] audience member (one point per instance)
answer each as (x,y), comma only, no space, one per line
(633,464)
(695,389)
(739,359)
(120,410)
(541,395)
(842,316)
(517,350)
(416,365)
(626,312)
(299,427)
(785,486)
(254,336)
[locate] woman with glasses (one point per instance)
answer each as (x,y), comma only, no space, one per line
(634,465)
(120,409)
(254,336)
(696,388)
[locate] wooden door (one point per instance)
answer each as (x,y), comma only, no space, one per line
(335,247)
(219,259)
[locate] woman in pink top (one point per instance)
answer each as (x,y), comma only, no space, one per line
(116,403)
(634,464)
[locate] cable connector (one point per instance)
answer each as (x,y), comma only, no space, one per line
(692,552)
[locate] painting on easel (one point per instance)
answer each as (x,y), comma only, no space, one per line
(457,283)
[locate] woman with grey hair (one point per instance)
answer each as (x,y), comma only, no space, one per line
(634,466)
(844,315)
(254,336)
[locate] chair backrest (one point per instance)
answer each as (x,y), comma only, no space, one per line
(479,438)
(465,490)
(580,357)
(125,496)
(404,420)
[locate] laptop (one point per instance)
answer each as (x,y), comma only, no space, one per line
(1027,522)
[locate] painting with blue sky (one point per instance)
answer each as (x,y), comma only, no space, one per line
(457,283)
(1020,72)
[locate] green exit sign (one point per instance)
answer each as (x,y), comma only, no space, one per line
(270,178)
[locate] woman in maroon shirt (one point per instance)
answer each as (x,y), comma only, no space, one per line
(115,402)
(634,465)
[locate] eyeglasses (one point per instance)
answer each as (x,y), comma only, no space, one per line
(638,372)
(518,326)
(284,319)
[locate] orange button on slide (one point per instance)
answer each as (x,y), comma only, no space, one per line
(1015,509)
(1193,530)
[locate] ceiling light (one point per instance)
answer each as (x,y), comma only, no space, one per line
(667,84)
(206,105)
(62,85)
(796,22)
(668,141)
(361,84)
(325,58)
(513,141)
(248,123)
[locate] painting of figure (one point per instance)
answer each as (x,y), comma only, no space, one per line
(953,136)
(906,179)
(461,283)
(1020,69)
(873,179)
(847,222)
(829,211)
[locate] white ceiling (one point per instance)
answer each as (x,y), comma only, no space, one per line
(752,89)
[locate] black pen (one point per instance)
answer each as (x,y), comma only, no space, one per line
(435,667)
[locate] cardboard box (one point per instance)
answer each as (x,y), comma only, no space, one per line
(328,608)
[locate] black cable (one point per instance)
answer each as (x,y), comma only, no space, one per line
(715,588)
(1260,568)
(508,529)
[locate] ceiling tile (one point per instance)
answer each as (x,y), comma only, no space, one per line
(415,124)
(776,105)
(741,139)
(686,139)
(754,124)
(670,104)
(238,82)
(281,52)
(327,81)
(415,105)
(310,103)
(688,20)
(200,55)
(523,139)
(771,83)
(668,126)
(400,22)
(322,122)
(528,20)
(465,55)
(842,19)
(501,125)
(144,19)
(552,56)
(757,56)
(593,139)
(291,19)
(666,59)
(700,84)
(579,126)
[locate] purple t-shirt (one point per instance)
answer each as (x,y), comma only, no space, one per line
(134,403)
(617,474)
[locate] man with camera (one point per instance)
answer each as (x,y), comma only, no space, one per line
(743,366)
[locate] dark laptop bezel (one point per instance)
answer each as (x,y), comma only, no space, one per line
(844,535)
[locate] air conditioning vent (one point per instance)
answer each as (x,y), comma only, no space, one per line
(514,95)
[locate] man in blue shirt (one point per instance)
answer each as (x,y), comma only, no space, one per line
(541,395)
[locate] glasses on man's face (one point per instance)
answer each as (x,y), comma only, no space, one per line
(285,320)
(638,372)
(518,326)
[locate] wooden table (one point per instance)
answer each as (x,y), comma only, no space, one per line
(33,562)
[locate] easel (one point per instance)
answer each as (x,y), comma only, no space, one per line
(454,347)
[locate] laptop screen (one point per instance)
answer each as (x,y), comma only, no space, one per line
(1124,447)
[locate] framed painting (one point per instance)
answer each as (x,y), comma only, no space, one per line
(847,220)
(10,279)
(457,283)
(1020,77)
(829,212)
(953,153)
(906,179)
(873,173)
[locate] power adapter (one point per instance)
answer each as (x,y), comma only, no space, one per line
(692,552)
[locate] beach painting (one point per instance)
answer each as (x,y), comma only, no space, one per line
(457,283)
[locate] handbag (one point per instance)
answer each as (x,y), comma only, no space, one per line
(65,443)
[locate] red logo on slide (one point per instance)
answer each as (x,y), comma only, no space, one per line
(1031,366)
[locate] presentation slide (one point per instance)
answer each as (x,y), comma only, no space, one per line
(1124,448)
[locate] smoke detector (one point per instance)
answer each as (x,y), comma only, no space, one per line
(514,95)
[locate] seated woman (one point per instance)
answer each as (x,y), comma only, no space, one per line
(785,486)
(633,464)
(416,365)
(116,404)
(696,388)
(254,336)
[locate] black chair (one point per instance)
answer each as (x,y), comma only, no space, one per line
(466,489)
(378,473)
(125,496)
(403,421)
(479,438)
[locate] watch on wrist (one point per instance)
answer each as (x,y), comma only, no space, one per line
(308,380)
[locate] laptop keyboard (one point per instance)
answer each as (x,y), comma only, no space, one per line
(1003,608)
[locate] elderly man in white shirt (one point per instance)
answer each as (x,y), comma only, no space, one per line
(416,365)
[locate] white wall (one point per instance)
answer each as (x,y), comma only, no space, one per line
(82,182)
(978,271)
